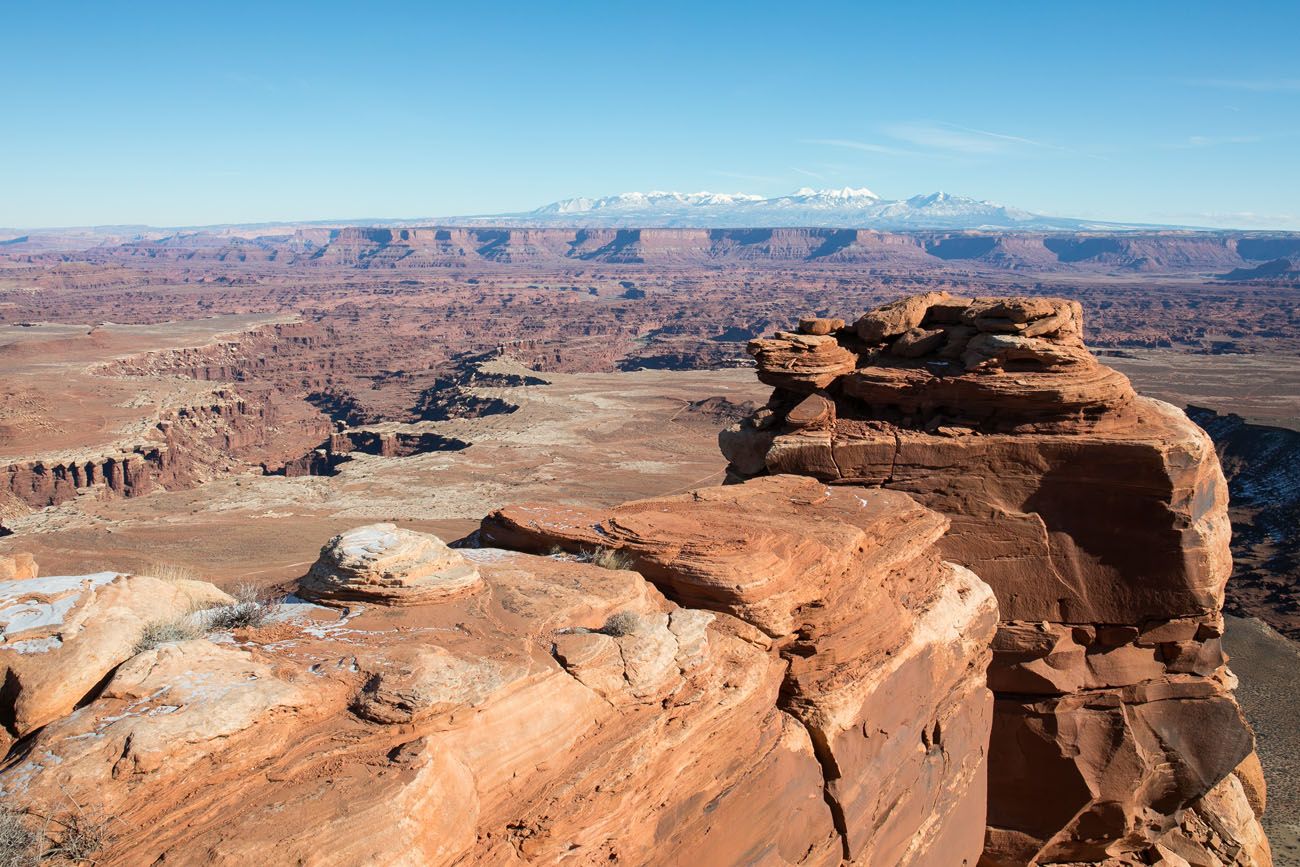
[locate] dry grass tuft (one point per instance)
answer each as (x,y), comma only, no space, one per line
(622,623)
(20,846)
(82,836)
(165,571)
(252,607)
(608,558)
(162,632)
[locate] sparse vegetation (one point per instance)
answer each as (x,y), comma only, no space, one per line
(73,840)
(82,836)
(609,558)
(165,571)
(251,608)
(166,632)
(622,623)
(20,846)
(606,558)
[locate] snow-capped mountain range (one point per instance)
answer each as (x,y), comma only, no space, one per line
(852,208)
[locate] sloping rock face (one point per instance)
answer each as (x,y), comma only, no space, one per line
(61,634)
(848,588)
(555,711)
(1099,519)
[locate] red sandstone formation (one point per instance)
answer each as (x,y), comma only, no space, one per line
(849,589)
(185,447)
(1098,517)
(488,707)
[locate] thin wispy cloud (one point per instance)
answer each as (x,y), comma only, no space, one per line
(1234,219)
(807,173)
(741,176)
(850,144)
(1255,85)
(961,139)
(1209,141)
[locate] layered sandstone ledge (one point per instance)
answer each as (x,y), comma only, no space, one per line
(1099,519)
(817,692)
(183,447)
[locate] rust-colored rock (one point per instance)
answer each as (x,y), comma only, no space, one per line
(897,317)
(566,711)
(801,362)
(814,325)
(848,585)
(1099,519)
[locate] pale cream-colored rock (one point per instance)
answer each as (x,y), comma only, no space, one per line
(161,713)
(17,567)
(60,634)
(386,565)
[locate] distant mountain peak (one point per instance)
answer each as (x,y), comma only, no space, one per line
(847,207)
(844,193)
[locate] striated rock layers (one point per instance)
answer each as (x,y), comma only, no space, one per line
(1099,519)
(847,588)
(184,447)
(818,690)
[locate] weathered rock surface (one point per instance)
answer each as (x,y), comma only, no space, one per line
(478,730)
(383,564)
(802,362)
(17,567)
(61,634)
(848,586)
(562,712)
(1099,519)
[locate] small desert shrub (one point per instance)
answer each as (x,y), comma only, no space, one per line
(80,839)
(165,571)
(165,632)
(608,558)
(20,846)
(622,623)
(251,608)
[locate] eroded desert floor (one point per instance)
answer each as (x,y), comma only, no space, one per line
(223,411)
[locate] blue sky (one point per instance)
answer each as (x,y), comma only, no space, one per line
(197,113)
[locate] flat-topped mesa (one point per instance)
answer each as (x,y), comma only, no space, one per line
(388,566)
(848,587)
(1098,517)
(932,360)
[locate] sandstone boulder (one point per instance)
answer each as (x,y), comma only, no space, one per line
(813,325)
(898,317)
(476,731)
(801,363)
(388,566)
